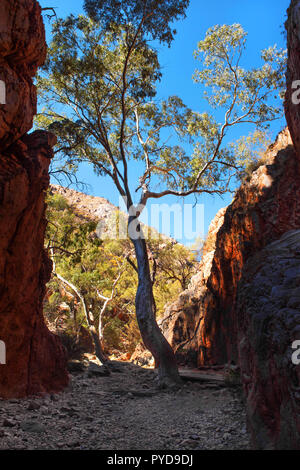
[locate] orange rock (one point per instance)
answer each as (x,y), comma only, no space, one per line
(201,324)
(35,358)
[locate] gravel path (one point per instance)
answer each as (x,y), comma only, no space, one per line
(125,411)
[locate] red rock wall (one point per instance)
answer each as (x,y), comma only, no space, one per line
(35,361)
(268,316)
(247,308)
(203,324)
(245,304)
(22,50)
(262,211)
(268,300)
(292,105)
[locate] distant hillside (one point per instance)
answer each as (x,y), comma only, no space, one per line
(97,209)
(89,207)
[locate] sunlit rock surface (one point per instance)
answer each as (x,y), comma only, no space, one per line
(35,359)
(202,324)
(244,304)
(292,97)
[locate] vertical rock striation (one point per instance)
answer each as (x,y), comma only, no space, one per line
(35,360)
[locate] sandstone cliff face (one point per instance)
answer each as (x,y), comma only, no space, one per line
(204,323)
(268,312)
(292,98)
(84,206)
(244,305)
(182,320)
(35,360)
(268,301)
(22,50)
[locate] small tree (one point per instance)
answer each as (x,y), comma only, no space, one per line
(99,88)
(76,260)
(174,263)
(93,281)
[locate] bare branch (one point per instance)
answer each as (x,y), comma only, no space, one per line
(54,15)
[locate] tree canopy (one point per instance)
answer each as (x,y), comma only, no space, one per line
(153,17)
(93,266)
(99,88)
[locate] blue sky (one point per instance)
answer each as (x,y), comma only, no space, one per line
(263,20)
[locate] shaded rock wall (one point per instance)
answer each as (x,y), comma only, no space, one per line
(268,311)
(245,304)
(35,360)
(182,320)
(268,302)
(247,307)
(203,328)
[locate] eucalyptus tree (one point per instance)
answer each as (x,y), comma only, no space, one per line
(99,91)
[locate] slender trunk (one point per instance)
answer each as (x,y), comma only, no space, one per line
(89,319)
(100,328)
(102,311)
(99,351)
(152,336)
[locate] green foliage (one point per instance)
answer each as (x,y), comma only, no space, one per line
(98,89)
(84,77)
(252,152)
(92,265)
(243,93)
(152,16)
(175,263)
(103,80)
(57,202)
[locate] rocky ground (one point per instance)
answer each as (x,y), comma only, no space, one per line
(125,411)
